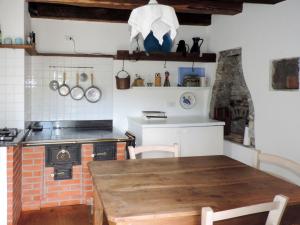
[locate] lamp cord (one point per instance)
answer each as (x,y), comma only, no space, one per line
(77,52)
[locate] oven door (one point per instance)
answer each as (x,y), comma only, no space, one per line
(105,151)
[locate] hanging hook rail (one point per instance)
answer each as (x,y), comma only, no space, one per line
(123,65)
(72,67)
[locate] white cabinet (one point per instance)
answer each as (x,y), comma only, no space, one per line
(197,141)
(198,137)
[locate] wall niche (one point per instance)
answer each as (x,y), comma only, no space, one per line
(231,99)
(285,74)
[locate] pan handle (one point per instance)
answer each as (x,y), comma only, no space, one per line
(77,79)
(64,81)
(92,79)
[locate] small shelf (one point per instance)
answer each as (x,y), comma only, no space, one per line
(172,56)
(16,46)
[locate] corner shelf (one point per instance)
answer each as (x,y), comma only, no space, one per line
(171,56)
(12,46)
(30,49)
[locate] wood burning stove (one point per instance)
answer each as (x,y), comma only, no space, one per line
(62,158)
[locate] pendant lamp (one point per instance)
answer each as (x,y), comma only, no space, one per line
(160,19)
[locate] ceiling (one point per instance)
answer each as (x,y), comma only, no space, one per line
(193,12)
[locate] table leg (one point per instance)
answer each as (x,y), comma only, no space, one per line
(98,210)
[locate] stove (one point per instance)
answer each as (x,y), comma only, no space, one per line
(8,134)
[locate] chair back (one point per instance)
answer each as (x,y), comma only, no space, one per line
(278,161)
(275,209)
(159,148)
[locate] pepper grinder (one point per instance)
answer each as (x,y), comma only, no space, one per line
(157,81)
(167,81)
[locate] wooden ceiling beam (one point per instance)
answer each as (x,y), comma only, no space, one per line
(225,7)
(58,11)
(264,2)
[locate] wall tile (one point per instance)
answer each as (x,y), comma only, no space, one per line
(49,105)
(12,88)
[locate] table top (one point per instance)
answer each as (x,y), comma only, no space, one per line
(153,188)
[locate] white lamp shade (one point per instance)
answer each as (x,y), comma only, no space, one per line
(160,19)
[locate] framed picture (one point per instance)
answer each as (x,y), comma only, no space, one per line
(285,74)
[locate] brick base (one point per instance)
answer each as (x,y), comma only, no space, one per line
(40,190)
(14,183)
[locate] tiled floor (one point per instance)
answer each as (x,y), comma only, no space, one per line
(66,215)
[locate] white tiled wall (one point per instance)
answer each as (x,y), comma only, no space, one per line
(49,105)
(28,86)
(12,88)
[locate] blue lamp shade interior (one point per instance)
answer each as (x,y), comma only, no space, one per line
(151,44)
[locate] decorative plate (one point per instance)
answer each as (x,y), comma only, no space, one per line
(187,100)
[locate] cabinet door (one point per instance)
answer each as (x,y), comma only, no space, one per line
(200,141)
(160,136)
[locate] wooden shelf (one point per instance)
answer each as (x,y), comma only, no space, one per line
(172,56)
(17,46)
(31,50)
(171,88)
(73,55)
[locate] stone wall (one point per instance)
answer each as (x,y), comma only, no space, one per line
(231,100)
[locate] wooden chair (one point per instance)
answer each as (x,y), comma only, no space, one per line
(277,161)
(163,148)
(275,208)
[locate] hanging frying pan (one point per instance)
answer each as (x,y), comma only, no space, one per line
(93,94)
(77,92)
(64,89)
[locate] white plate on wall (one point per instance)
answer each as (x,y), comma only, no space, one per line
(187,100)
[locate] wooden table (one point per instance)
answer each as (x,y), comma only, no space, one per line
(173,190)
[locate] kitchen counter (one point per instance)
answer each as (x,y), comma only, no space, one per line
(72,135)
(173,122)
(197,136)
(17,140)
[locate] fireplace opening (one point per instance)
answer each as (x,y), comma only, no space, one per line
(231,100)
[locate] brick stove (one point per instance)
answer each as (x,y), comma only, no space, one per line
(40,190)
(14,182)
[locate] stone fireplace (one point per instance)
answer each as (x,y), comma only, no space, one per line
(231,100)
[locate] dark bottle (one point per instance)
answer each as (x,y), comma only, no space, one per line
(196,46)
(167,81)
(182,47)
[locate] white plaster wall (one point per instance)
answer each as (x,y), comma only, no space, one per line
(96,36)
(12,18)
(133,101)
(265,33)
(12,65)
(108,38)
